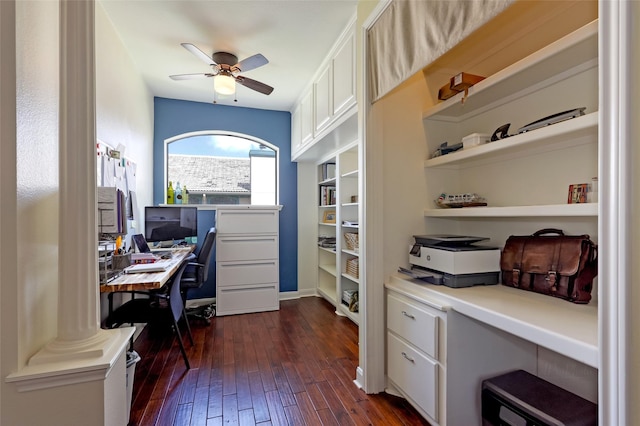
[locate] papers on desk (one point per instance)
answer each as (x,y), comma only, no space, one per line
(141,268)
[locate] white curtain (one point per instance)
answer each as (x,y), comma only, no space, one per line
(410,34)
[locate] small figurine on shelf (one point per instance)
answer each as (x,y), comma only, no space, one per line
(460,200)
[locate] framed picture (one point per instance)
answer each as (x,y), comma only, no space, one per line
(329,216)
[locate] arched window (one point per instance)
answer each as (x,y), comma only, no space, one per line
(215,167)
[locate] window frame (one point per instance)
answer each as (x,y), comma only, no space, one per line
(218,133)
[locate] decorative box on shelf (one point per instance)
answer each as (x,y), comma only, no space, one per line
(353,268)
(351,240)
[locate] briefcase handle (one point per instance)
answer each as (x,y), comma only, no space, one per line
(548,231)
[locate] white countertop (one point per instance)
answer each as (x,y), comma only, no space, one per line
(561,326)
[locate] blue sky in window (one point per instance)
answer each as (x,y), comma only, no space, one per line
(213,145)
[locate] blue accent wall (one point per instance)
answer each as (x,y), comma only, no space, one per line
(175,117)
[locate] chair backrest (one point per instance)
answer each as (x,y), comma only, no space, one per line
(204,257)
(175,296)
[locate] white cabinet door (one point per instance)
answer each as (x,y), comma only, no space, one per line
(306,118)
(344,76)
(296,130)
(323,99)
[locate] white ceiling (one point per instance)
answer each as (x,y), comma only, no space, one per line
(294,35)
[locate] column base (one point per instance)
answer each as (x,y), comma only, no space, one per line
(62,363)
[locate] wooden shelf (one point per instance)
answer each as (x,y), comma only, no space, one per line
(329,268)
(351,252)
(561,326)
(353,316)
(571,54)
(330,181)
(327,224)
(328,250)
(351,174)
(328,294)
(561,135)
(553,210)
(351,277)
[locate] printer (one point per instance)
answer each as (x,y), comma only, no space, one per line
(453,260)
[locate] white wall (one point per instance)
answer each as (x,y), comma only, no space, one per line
(124,107)
(125,115)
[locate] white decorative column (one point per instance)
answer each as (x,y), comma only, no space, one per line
(617,227)
(83,361)
(78,321)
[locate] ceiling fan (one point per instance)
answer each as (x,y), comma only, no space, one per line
(226,69)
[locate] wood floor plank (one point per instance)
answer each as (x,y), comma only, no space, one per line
(246,418)
(294,367)
(230,410)
(276,410)
(258,399)
(335,405)
(200,406)
(307,410)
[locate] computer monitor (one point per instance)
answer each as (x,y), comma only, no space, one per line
(170,223)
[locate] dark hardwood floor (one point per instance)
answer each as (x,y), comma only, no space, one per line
(294,366)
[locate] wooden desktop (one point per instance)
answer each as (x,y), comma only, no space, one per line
(148,280)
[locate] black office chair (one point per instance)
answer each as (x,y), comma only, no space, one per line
(157,309)
(196,275)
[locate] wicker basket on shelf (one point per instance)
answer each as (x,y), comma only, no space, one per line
(351,240)
(353,267)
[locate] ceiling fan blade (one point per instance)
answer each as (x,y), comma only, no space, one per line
(252,62)
(199,53)
(255,85)
(189,76)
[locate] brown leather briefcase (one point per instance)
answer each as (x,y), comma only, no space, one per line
(558,265)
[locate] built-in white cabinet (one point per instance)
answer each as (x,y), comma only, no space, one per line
(338,221)
(323,99)
(439,348)
(525,179)
(306,118)
(247,260)
(343,68)
(330,99)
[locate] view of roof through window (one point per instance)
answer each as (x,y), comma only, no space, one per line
(223,169)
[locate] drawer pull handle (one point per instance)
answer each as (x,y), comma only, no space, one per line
(407,357)
(408,315)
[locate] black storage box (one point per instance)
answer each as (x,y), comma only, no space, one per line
(522,399)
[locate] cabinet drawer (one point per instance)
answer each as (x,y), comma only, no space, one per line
(414,373)
(246,248)
(247,272)
(414,324)
(240,300)
(247,221)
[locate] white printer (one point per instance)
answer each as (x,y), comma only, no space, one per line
(453,260)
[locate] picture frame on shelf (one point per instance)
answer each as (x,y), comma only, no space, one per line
(329,216)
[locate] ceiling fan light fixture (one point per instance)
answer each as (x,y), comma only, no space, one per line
(224,84)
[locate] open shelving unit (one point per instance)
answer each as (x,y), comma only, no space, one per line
(334,277)
(525,180)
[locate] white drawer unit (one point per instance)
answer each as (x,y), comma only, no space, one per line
(247,260)
(244,272)
(247,221)
(415,373)
(246,247)
(416,353)
(413,324)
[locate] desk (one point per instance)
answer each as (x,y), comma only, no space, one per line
(149,280)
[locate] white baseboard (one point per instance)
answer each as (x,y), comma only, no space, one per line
(284,295)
